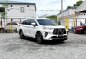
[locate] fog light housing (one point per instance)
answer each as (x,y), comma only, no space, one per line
(46,33)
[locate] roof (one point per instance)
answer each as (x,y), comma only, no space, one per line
(82,7)
(16,2)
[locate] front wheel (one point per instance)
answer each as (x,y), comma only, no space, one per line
(39,38)
(21,35)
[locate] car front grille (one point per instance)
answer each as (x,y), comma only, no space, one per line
(59,31)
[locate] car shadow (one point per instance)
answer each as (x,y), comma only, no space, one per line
(81,34)
(45,42)
(56,42)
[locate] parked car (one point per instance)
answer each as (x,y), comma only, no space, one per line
(12,27)
(81,29)
(72,29)
(42,29)
(1,29)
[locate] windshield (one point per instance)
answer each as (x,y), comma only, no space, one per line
(46,22)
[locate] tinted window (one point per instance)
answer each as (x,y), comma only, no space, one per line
(46,22)
(28,21)
(13,23)
(8,23)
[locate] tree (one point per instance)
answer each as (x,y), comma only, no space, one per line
(4,13)
(53,17)
(5,6)
(69,7)
(79,3)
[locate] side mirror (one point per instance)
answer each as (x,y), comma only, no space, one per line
(33,24)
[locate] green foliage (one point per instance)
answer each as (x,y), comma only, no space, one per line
(78,3)
(3,15)
(5,6)
(53,17)
(69,7)
(2,9)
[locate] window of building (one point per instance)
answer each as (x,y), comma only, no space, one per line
(27,5)
(22,9)
(11,5)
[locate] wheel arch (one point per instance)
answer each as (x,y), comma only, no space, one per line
(20,31)
(38,32)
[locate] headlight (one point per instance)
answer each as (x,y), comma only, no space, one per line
(47,28)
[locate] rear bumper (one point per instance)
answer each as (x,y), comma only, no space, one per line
(78,31)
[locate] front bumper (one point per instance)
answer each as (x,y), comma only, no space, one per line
(56,37)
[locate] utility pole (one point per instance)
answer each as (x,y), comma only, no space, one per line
(61,11)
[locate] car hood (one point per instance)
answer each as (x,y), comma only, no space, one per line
(58,26)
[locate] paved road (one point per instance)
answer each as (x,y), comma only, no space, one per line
(11,47)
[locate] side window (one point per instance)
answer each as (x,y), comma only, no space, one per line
(33,21)
(22,9)
(23,22)
(14,23)
(26,22)
(8,23)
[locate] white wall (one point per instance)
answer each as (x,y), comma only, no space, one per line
(70,14)
(67,13)
(14,12)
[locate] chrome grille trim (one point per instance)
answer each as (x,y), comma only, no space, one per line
(59,31)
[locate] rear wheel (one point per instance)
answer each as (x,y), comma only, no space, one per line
(84,32)
(39,38)
(2,30)
(16,30)
(21,35)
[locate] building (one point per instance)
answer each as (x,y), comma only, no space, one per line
(67,14)
(82,11)
(18,11)
(75,16)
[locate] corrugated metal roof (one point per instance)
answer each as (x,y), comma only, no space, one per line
(16,2)
(82,7)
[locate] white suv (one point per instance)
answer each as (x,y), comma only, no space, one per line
(42,29)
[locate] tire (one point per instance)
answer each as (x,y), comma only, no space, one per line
(21,35)
(84,32)
(15,31)
(39,38)
(2,30)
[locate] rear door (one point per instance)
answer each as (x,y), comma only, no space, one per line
(26,27)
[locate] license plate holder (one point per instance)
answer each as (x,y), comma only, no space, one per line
(60,35)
